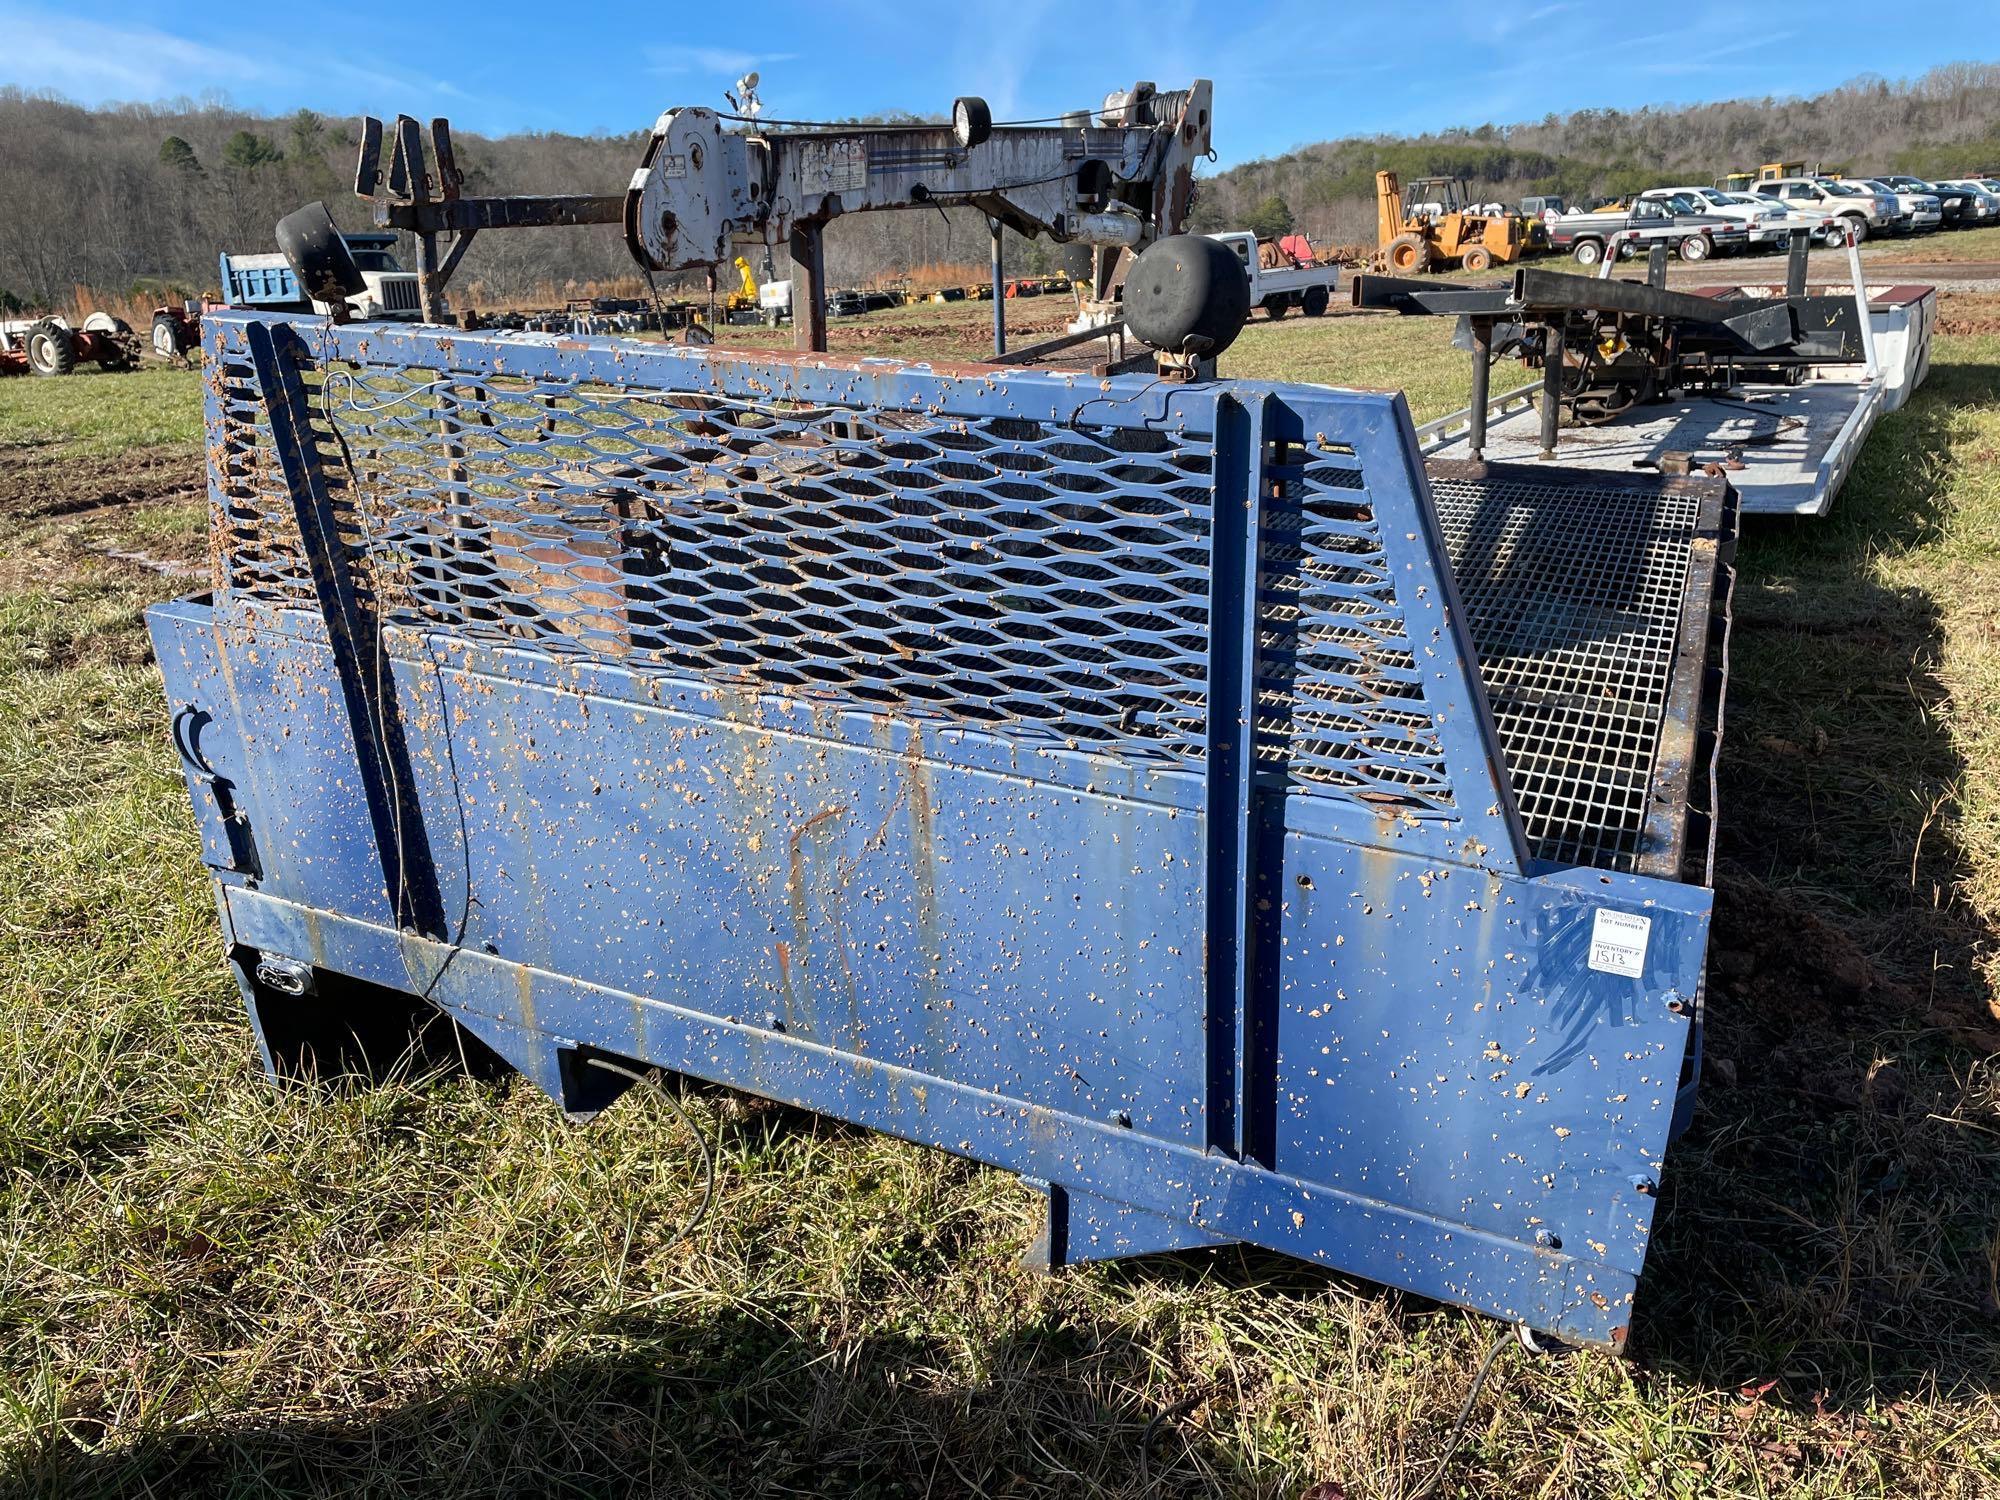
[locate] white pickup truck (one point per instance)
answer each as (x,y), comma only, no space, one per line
(1280,289)
(1767,223)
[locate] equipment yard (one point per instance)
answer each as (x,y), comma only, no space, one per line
(437,1286)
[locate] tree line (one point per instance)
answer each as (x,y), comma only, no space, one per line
(138,199)
(1943,124)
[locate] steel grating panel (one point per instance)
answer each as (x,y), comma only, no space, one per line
(1049,580)
(999,571)
(1576,590)
(1340,701)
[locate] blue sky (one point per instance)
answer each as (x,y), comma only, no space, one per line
(1285,73)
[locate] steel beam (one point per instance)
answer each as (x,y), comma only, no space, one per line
(368,688)
(808,251)
(459,214)
(1411,294)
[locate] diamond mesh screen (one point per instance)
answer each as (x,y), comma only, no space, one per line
(1047,579)
(1338,695)
(1574,595)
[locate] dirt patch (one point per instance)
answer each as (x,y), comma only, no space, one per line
(1792,971)
(1920,267)
(63,515)
(38,484)
(1969,312)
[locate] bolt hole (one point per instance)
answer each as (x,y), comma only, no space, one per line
(1305,882)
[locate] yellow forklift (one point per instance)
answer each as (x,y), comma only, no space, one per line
(1430,226)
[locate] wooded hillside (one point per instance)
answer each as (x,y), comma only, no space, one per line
(135,198)
(1945,124)
(140,198)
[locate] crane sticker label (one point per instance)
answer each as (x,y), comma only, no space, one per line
(834,166)
(1618,943)
(674,164)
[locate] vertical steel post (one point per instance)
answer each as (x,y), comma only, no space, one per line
(367,678)
(1797,248)
(427,276)
(999,296)
(1482,384)
(808,250)
(1552,380)
(1873,368)
(410,153)
(1237,1119)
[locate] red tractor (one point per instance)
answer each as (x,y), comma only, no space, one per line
(50,346)
(177,329)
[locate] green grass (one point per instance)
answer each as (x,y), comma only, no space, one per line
(211,1287)
(1942,245)
(1411,355)
(95,415)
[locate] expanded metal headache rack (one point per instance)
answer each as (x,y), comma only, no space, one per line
(1165,791)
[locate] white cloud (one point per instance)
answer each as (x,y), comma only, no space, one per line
(96,61)
(723,62)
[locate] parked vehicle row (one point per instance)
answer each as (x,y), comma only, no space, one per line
(1741,213)
(1895,204)
(1684,225)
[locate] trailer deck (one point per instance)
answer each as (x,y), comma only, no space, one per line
(1787,448)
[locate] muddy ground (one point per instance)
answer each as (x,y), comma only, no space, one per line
(140,510)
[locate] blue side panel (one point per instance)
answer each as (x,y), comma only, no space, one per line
(1444,1041)
(1548,1289)
(812,971)
(1037,942)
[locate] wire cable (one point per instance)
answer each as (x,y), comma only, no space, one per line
(1464,1415)
(702,1143)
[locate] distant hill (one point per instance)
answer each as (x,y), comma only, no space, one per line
(136,197)
(1945,123)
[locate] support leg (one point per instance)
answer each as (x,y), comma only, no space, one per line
(1082,1227)
(808,247)
(1552,382)
(999,297)
(1482,385)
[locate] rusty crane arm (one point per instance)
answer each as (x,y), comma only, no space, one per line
(1115,179)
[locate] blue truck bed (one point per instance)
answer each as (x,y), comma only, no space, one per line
(1169,793)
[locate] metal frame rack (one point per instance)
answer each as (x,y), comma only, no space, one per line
(1160,790)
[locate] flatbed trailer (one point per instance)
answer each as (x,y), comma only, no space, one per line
(1788,447)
